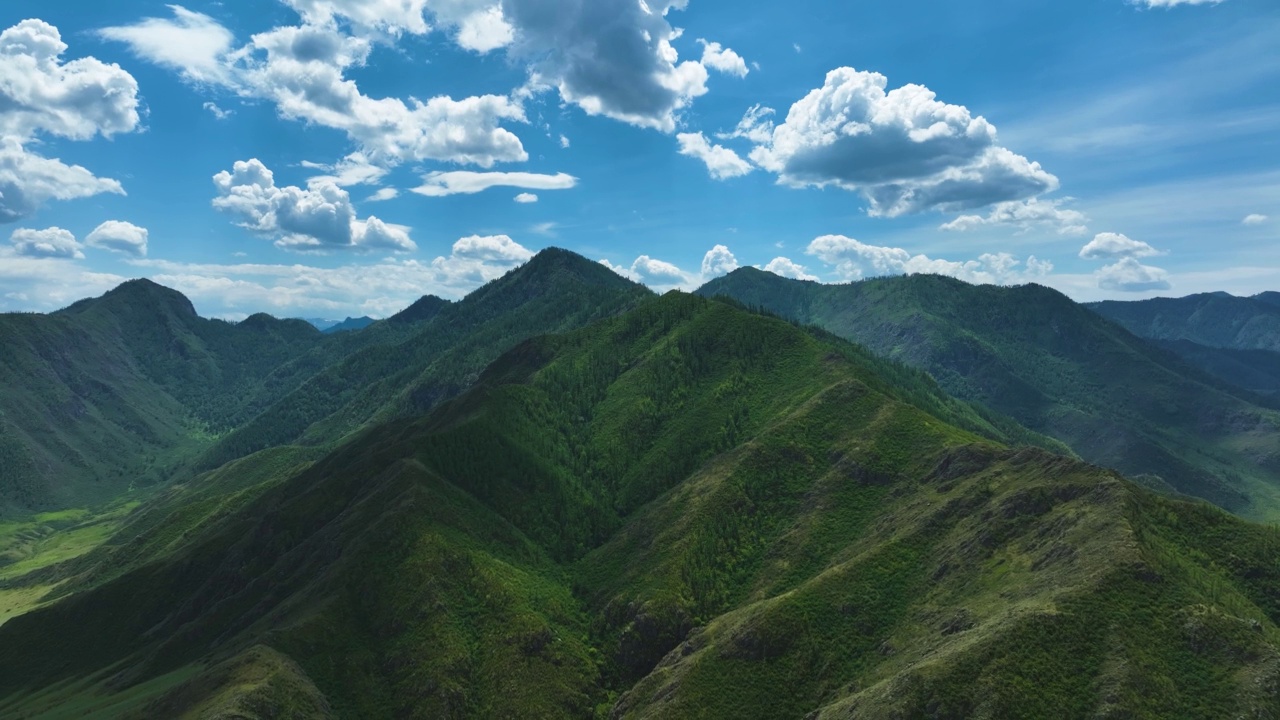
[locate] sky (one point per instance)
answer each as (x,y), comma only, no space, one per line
(333,158)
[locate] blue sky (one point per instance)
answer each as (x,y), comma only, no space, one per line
(343,157)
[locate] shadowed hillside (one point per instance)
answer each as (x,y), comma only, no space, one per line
(1033,354)
(685,509)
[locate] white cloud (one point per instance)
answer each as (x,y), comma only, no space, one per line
(662,276)
(718,261)
(853,260)
(51,242)
(318,218)
(1174,3)
(383,195)
(608,57)
(1128,275)
(484,30)
(1025,215)
(904,150)
(218,112)
(564,142)
(1254,219)
(1109,246)
(376,289)
(192,43)
(119,236)
(755,126)
(384,16)
(440,183)
(47,283)
(354,169)
(28,181)
(723,59)
(544,228)
(788,269)
(526,198)
(303,71)
(499,249)
(721,162)
(42,95)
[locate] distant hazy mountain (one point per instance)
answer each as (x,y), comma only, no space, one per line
(1213,319)
(685,510)
(320,323)
(349,324)
(1058,368)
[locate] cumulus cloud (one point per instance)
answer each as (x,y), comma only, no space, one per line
(383,195)
(718,261)
(1110,246)
(119,236)
(42,95)
(526,198)
(302,70)
(442,183)
(78,99)
(482,30)
(51,242)
(499,249)
(192,43)
(722,59)
(1025,215)
(1254,219)
(788,269)
(1128,275)
(721,162)
(662,275)
(905,151)
(28,181)
(318,218)
(608,57)
(853,260)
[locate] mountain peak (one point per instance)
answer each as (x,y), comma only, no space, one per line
(138,294)
(423,309)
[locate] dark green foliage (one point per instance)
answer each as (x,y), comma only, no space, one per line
(1214,319)
(1256,371)
(449,345)
(1030,353)
(685,510)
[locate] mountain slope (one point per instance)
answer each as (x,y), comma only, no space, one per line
(684,509)
(106,394)
(1212,319)
(1256,371)
(448,346)
(1031,353)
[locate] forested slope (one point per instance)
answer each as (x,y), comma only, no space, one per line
(687,509)
(1031,353)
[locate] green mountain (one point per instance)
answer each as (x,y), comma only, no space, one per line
(1056,367)
(107,394)
(396,374)
(684,510)
(1257,371)
(1213,319)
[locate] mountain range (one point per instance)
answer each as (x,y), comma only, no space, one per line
(565,496)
